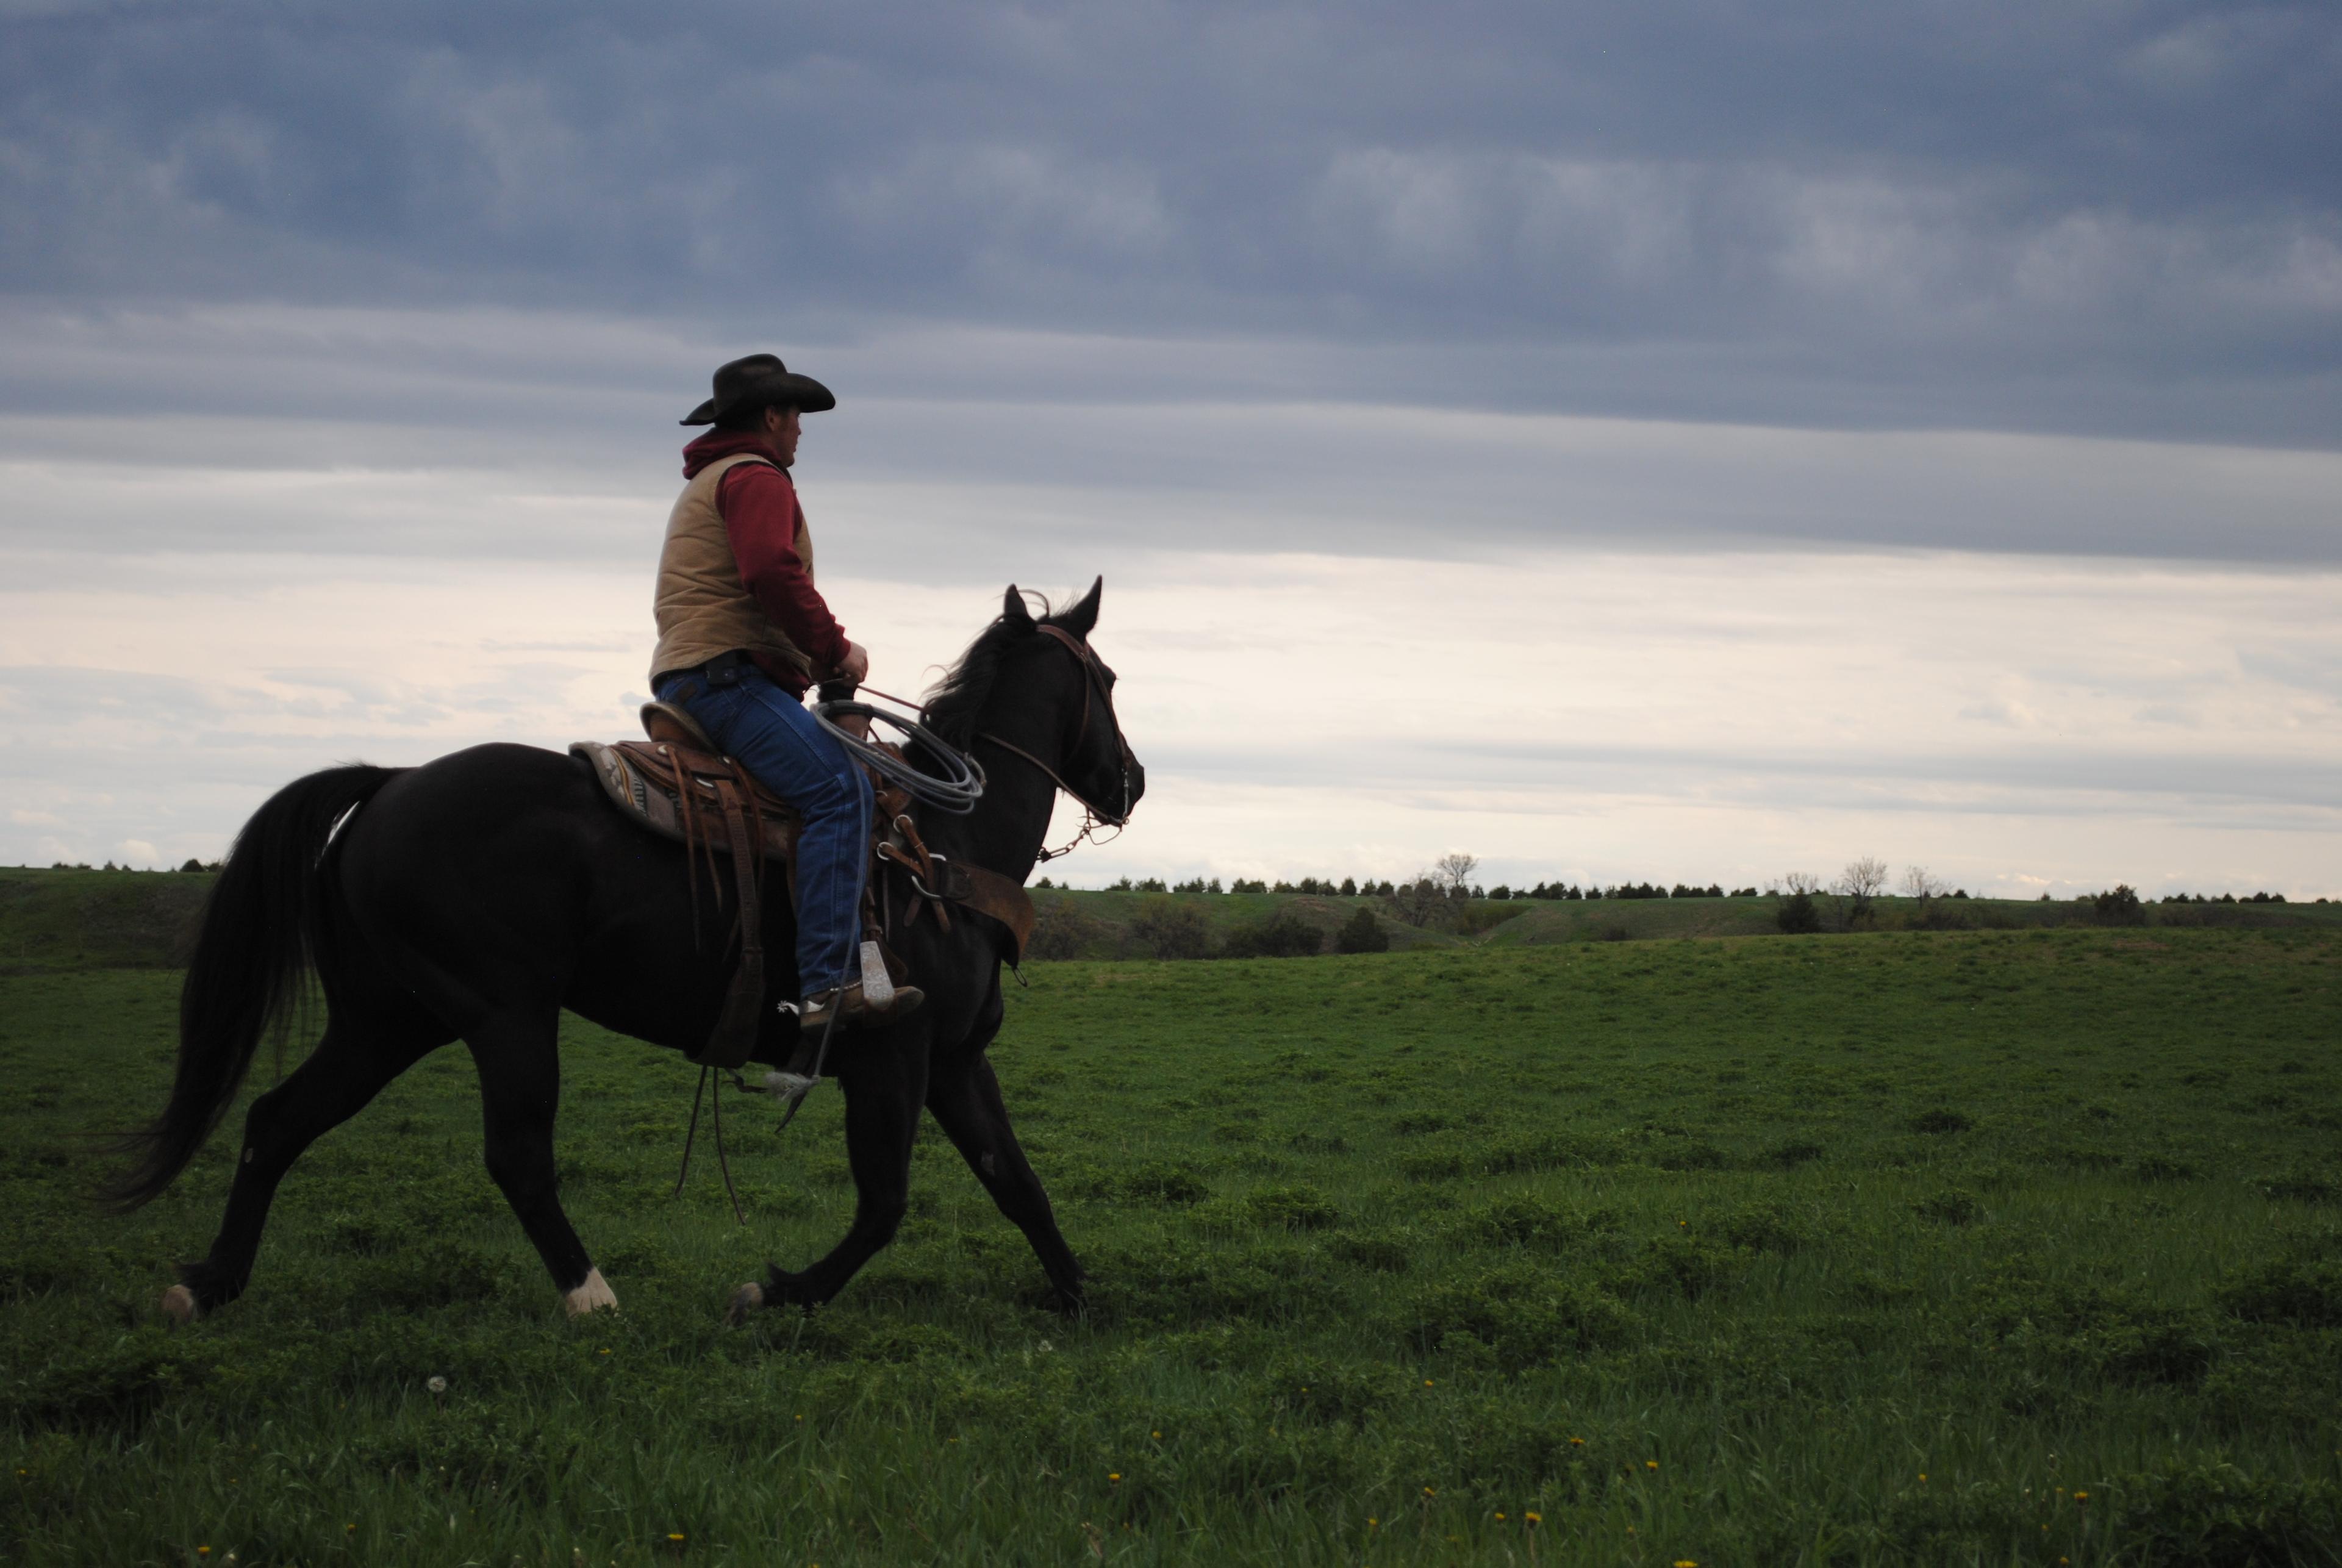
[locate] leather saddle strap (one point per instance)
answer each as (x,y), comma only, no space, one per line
(695,840)
(987,893)
(921,870)
(992,894)
(926,865)
(734,1039)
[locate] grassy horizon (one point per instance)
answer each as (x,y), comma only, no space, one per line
(61,920)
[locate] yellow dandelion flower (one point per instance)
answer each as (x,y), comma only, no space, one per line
(1426,1383)
(1372,1522)
(674,1535)
(2081,1497)
(1500,1518)
(1685,1563)
(1428,1492)
(1578,1443)
(1113,1475)
(1650,1465)
(1534,1517)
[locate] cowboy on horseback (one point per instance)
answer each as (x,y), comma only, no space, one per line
(743,632)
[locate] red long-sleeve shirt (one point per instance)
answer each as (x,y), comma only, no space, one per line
(760,519)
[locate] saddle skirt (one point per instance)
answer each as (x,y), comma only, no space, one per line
(648,780)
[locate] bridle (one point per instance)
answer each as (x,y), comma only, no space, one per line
(1095,693)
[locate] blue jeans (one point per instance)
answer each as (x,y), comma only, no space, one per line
(775,736)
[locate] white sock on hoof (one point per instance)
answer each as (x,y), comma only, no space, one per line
(591,1296)
(790,1085)
(179,1305)
(745,1300)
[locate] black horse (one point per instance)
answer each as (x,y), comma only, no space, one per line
(475,897)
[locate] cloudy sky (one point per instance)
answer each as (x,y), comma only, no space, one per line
(1689,441)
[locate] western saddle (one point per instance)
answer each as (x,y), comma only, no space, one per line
(679,785)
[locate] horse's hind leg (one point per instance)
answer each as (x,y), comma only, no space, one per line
(965,1098)
(356,1057)
(519,1058)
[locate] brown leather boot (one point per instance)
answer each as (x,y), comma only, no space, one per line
(852,1007)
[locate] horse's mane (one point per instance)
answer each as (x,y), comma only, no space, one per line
(954,702)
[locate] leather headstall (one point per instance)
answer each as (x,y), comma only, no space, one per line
(1094,691)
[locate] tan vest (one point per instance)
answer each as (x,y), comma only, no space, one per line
(703,608)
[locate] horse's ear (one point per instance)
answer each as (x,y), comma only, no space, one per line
(1013,607)
(1082,619)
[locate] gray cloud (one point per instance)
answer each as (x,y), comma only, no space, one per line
(2116,219)
(485,432)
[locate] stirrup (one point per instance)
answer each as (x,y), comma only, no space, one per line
(790,1085)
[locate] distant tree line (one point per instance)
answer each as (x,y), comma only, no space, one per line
(1445,899)
(1446,883)
(109,866)
(1367,887)
(1809,903)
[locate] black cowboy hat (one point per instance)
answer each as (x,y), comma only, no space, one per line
(760,381)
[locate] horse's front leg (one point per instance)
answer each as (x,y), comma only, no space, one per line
(965,1100)
(884,1086)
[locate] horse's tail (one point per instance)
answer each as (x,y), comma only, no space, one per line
(262,929)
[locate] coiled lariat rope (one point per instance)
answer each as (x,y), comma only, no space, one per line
(955,790)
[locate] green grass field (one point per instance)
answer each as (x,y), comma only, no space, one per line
(1999,1247)
(54,920)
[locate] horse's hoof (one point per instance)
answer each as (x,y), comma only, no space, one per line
(179,1305)
(749,1298)
(594,1296)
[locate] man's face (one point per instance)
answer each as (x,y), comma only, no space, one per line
(781,433)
